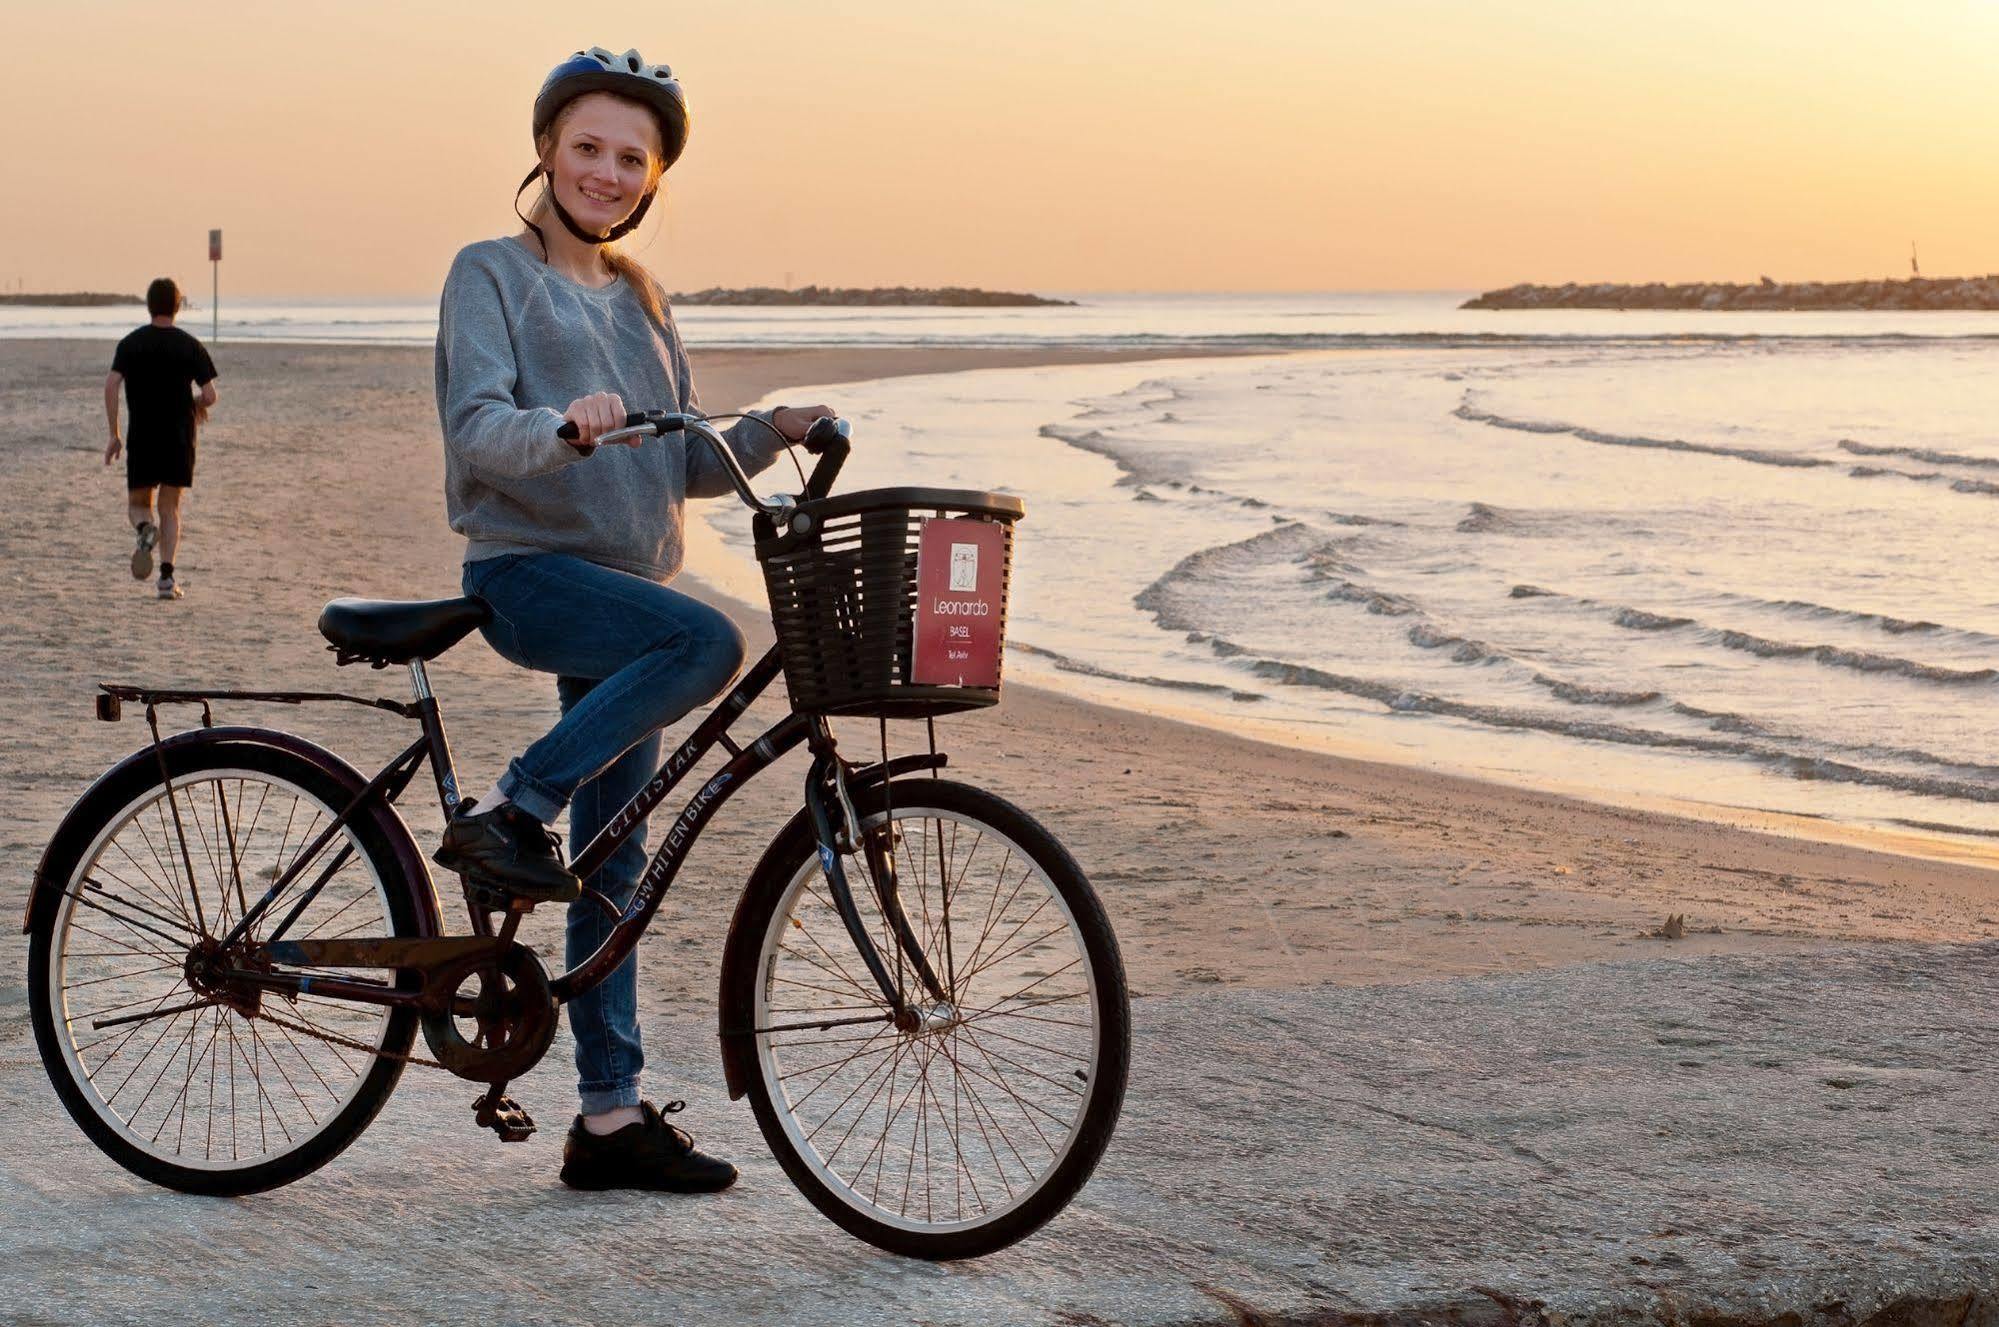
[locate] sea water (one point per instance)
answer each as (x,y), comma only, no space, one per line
(1744,573)
(1740,560)
(1097,320)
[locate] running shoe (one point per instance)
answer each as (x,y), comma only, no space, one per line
(169,589)
(142,556)
(509,850)
(651,1154)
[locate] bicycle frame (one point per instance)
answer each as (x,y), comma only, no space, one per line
(825,783)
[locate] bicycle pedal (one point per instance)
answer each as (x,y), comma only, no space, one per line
(504,1116)
(494,900)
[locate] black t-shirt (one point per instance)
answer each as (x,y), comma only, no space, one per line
(160,364)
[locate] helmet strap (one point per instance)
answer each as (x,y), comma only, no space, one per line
(539,237)
(619,231)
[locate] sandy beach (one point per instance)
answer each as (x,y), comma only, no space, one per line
(1224,861)
(1391,1149)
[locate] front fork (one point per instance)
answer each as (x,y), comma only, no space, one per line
(838,829)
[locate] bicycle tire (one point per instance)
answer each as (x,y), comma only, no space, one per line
(114,803)
(770,910)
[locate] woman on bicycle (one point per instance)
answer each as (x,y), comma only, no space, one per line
(573,549)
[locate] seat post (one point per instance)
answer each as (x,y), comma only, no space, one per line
(433,728)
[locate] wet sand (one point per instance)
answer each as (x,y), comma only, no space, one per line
(1223,861)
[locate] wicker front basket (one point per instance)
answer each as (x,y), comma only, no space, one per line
(842,582)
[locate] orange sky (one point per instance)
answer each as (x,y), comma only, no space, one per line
(350,148)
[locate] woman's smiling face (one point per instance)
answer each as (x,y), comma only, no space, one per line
(605,156)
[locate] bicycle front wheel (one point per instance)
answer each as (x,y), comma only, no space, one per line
(971,1128)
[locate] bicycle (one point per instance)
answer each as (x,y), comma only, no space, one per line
(235,922)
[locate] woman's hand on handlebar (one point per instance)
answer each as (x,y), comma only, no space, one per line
(793,421)
(596,414)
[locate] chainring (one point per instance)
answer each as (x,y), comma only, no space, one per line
(505,1006)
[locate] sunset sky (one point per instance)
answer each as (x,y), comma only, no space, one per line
(1041,144)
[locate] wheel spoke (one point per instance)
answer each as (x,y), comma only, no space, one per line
(835,1065)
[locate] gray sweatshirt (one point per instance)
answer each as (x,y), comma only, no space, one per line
(516,343)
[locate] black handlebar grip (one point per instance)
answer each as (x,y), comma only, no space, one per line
(821,435)
(832,456)
(568,430)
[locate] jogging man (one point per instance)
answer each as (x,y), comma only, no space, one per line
(161,367)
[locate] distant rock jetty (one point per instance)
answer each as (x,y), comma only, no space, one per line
(80,299)
(1972,292)
(948,296)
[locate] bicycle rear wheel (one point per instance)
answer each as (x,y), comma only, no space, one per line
(969,1130)
(184,1084)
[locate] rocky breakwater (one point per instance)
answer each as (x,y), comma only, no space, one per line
(962,297)
(76,299)
(1962,293)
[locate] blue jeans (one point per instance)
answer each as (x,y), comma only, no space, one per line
(630,656)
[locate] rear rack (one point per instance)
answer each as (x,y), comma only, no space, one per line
(112,696)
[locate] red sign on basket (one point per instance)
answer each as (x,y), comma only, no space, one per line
(960,587)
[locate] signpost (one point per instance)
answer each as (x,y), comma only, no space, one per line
(215,288)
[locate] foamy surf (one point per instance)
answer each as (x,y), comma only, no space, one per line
(1635,572)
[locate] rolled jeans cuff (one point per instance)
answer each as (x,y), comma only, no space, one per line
(595,1099)
(531,794)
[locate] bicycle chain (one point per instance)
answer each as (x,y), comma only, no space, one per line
(405,1057)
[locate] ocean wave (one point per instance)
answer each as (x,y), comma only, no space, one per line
(1068,664)
(1793,764)
(1427,637)
(1637,619)
(1941,827)
(1140,467)
(1833,656)
(1132,469)
(1578,694)
(1176,603)
(1299,543)
(1957,484)
(1328,561)
(1759,456)
(1837,656)
(1349,518)
(1484,518)
(1379,602)
(1725,721)
(1291,541)
(1924,454)
(1894,626)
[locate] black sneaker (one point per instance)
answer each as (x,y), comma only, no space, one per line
(509,850)
(651,1154)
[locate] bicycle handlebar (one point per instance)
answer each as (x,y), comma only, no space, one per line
(827,439)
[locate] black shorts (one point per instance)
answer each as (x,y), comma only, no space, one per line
(151,463)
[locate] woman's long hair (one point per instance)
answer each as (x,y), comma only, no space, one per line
(541,212)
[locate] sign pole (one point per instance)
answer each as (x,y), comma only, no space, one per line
(215,287)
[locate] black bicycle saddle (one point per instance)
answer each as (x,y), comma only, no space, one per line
(399,630)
